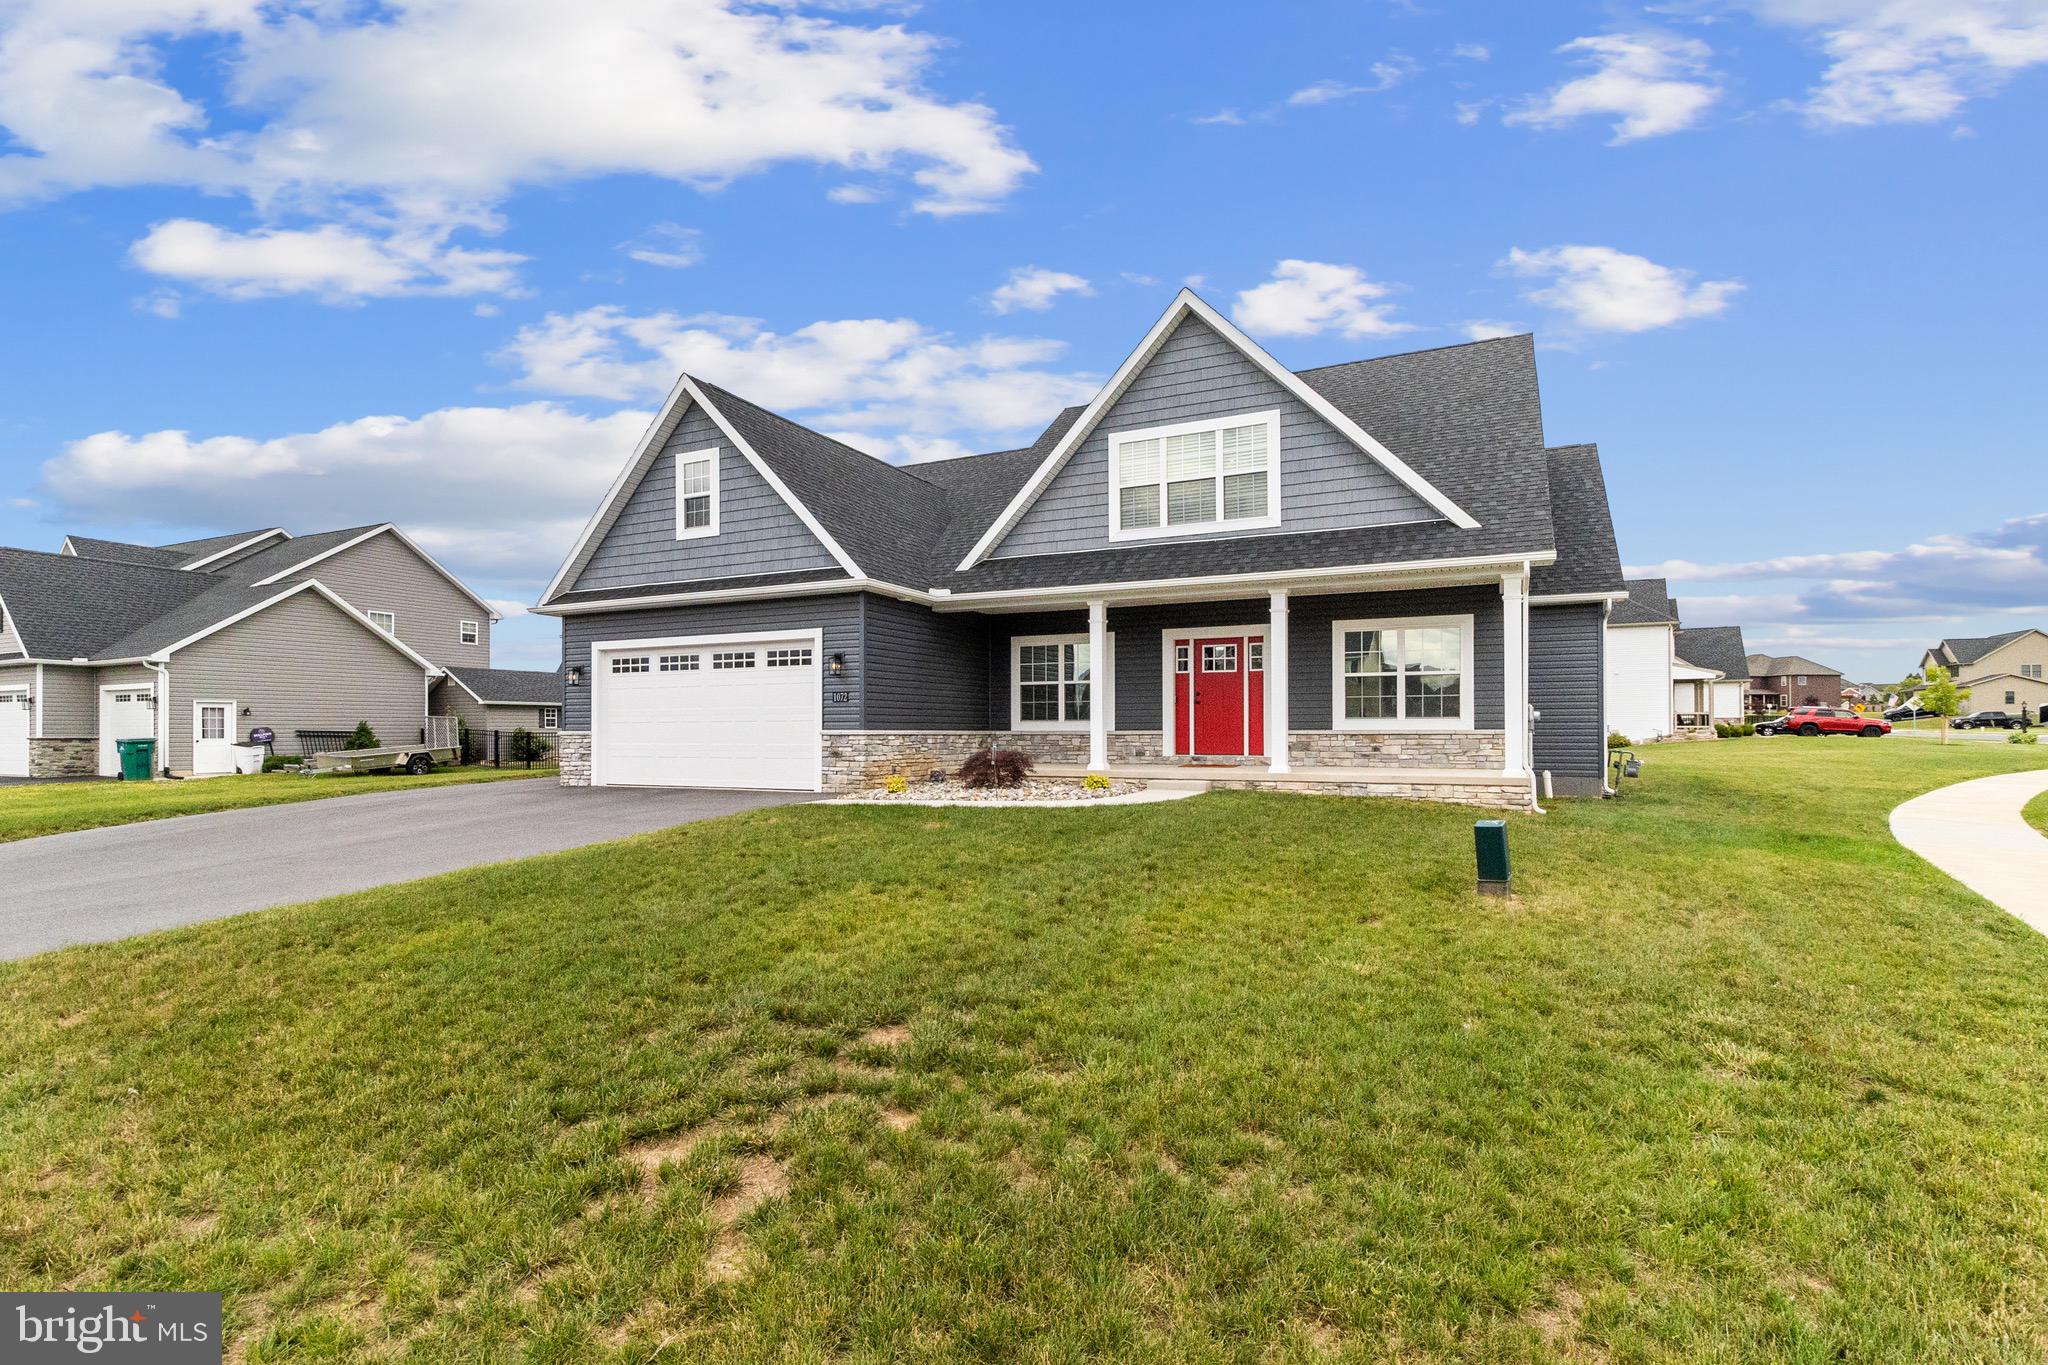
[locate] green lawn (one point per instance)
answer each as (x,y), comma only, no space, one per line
(2036,812)
(1244,1078)
(53,808)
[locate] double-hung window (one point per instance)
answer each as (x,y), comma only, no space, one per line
(467,632)
(2030,670)
(1411,674)
(696,494)
(550,717)
(1052,682)
(1215,475)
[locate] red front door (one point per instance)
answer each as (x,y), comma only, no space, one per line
(1219,695)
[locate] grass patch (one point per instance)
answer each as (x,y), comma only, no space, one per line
(58,807)
(2036,812)
(1241,1078)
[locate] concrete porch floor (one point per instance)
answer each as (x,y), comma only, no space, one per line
(1244,774)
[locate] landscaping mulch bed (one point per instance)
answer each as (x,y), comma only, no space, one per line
(1030,789)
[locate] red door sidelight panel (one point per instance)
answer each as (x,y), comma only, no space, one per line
(1255,697)
(1183,696)
(1219,707)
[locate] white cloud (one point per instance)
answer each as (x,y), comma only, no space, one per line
(670,245)
(1324,92)
(1034,289)
(854,194)
(893,378)
(1472,52)
(331,262)
(1651,84)
(1386,73)
(422,115)
(1229,118)
(1467,112)
(1911,61)
(493,492)
(1307,297)
(1486,329)
(1601,289)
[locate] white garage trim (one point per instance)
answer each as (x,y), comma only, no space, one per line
(109,759)
(14,730)
(814,637)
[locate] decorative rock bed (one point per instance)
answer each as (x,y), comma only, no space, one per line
(1030,789)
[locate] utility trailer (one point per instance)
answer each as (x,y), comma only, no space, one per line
(416,759)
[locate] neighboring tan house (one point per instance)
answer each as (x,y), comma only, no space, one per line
(195,644)
(1642,655)
(501,699)
(2003,672)
(1780,681)
(1365,578)
(1710,675)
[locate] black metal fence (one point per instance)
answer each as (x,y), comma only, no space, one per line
(306,743)
(505,748)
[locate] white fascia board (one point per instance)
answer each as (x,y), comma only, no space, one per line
(1186,302)
(310,585)
(782,491)
(679,599)
(1473,570)
(1565,599)
(386,529)
(665,419)
(198,564)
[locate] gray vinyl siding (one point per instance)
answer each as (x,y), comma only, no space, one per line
(383,574)
(757,531)
(1326,482)
(1140,643)
(1312,644)
(1566,669)
(450,700)
(300,665)
(837,615)
(71,702)
(18,677)
(923,670)
(10,643)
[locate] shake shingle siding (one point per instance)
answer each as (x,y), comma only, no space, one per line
(923,670)
(1326,482)
(757,531)
(1566,669)
(837,615)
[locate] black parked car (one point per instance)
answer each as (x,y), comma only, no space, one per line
(1990,720)
(1909,712)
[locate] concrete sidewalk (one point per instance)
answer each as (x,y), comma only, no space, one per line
(1973,832)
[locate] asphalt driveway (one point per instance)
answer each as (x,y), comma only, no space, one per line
(102,884)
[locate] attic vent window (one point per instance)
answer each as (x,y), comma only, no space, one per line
(1216,475)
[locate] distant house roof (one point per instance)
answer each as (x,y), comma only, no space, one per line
(1969,650)
(1778,665)
(1649,604)
(510,686)
(1716,647)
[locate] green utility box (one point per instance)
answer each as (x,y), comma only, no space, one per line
(1490,842)
(138,759)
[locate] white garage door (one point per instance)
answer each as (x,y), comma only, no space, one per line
(719,712)
(125,713)
(14,718)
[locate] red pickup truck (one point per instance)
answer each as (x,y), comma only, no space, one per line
(1825,720)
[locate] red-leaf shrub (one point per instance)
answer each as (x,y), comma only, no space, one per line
(995,768)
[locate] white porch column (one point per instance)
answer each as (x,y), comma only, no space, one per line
(1514,668)
(1276,686)
(1098,686)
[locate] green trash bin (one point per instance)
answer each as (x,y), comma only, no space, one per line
(138,759)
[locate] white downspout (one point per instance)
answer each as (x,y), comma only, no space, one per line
(163,713)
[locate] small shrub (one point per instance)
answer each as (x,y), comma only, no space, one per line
(1747,729)
(995,768)
(363,738)
(1095,782)
(276,761)
(1617,740)
(2022,737)
(895,783)
(524,746)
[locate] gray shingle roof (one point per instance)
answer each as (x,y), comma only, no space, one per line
(293,552)
(70,606)
(529,686)
(120,552)
(1715,647)
(1971,649)
(1587,560)
(794,577)
(1776,665)
(207,545)
(1649,603)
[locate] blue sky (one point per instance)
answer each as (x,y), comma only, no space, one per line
(324,264)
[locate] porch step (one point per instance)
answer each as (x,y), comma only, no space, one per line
(1299,777)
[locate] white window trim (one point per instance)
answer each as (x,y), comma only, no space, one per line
(1468,691)
(1101,672)
(392,629)
(684,457)
(1118,439)
(550,717)
(468,632)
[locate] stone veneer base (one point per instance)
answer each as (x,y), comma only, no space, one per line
(63,758)
(572,752)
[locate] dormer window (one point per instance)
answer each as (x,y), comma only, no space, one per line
(1221,474)
(696,494)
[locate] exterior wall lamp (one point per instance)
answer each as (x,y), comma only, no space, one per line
(838,665)
(576,675)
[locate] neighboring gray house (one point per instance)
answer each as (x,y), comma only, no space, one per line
(197,643)
(501,699)
(1364,578)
